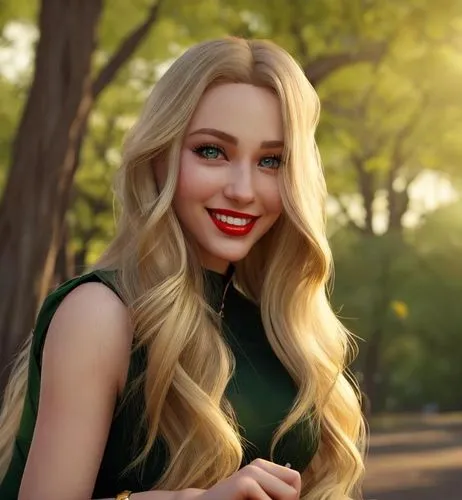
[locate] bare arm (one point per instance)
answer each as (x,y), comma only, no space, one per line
(84,366)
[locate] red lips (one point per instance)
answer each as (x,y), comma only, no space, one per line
(229,227)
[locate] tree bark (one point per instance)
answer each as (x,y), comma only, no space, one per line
(65,261)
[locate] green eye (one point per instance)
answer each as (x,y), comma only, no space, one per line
(270,162)
(208,152)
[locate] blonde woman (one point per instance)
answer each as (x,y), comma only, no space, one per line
(200,357)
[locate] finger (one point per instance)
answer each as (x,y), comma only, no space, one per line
(255,492)
(289,476)
(274,486)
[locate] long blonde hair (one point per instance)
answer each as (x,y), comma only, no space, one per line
(286,273)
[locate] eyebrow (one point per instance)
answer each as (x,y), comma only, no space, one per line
(233,140)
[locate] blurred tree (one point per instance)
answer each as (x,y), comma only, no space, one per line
(45,152)
(420,358)
(433,292)
(384,128)
(9,112)
(19,10)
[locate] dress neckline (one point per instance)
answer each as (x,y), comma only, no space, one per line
(224,277)
(217,286)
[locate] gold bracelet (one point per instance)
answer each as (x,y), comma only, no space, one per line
(124,495)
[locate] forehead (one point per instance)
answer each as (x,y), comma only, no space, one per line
(245,111)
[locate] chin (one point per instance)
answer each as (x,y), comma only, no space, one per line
(230,256)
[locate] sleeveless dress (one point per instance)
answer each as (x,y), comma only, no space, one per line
(261,393)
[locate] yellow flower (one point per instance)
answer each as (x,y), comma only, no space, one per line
(400,309)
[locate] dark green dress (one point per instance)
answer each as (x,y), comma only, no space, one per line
(261,392)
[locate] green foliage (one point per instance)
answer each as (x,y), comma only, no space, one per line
(18,10)
(91,217)
(12,97)
(421,354)
(404,112)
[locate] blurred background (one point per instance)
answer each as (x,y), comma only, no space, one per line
(73,75)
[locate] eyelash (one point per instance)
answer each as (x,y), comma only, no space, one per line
(198,150)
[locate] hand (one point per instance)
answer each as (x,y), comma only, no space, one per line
(260,480)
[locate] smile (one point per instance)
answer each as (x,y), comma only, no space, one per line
(232,223)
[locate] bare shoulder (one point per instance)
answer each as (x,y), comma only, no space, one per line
(94,324)
(84,366)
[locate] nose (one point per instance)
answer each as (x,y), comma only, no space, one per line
(240,187)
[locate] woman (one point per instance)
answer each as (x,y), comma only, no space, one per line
(200,356)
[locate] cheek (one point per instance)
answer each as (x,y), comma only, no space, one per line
(194,185)
(271,196)
(187,182)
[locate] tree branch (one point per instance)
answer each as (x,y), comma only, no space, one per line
(366,182)
(398,201)
(323,66)
(125,50)
(101,146)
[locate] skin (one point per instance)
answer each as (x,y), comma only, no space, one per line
(88,345)
(226,164)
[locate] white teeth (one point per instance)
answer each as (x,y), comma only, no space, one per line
(235,221)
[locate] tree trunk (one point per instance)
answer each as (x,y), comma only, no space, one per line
(65,260)
(42,157)
(374,344)
(371,368)
(367,188)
